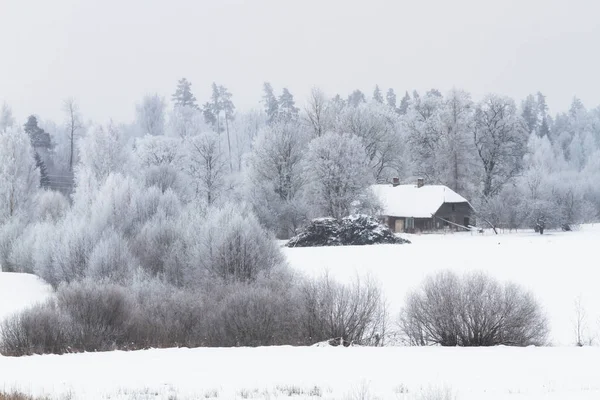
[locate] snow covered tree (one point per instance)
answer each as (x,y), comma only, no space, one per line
(318,114)
(41,166)
(276,177)
(183,96)
(390,98)
(377,96)
(287,106)
(150,115)
(73,125)
(356,98)
(205,165)
(270,103)
(338,174)
(379,129)
(102,152)
(19,177)
(220,103)
(6,117)
(500,138)
(404,103)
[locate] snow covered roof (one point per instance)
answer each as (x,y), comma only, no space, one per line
(413,201)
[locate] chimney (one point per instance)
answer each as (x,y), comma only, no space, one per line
(395,182)
(420,182)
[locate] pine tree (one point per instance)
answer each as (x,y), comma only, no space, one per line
(41,166)
(391,98)
(377,95)
(287,106)
(404,103)
(183,96)
(357,97)
(39,138)
(270,101)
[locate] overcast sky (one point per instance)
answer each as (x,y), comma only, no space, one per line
(108,53)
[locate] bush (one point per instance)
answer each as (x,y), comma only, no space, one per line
(355,313)
(233,247)
(473,310)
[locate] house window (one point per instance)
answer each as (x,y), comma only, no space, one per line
(453,207)
(410,223)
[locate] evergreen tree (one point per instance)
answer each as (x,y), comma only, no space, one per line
(377,95)
(183,96)
(529,112)
(404,103)
(357,97)
(287,106)
(41,166)
(39,138)
(391,98)
(270,101)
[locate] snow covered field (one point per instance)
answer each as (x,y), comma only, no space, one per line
(19,291)
(558,267)
(314,372)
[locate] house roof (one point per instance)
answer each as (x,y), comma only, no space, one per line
(413,201)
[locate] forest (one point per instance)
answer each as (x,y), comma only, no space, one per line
(179,209)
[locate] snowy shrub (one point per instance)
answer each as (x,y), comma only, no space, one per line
(99,312)
(232,246)
(354,312)
(472,310)
(38,330)
(259,314)
(111,259)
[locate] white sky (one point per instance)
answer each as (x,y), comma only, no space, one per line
(108,53)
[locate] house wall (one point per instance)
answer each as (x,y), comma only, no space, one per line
(459,213)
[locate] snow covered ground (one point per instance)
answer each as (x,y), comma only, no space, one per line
(19,291)
(558,267)
(314,372)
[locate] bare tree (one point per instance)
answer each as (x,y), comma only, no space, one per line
(74,125)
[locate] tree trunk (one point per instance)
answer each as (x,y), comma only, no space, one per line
(228,143)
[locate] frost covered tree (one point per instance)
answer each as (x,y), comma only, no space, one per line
(287,106)
(220,103)
(356,98)
(73,126)
(377,96)
(6,117)
(205,165)
(390,98)
(183,96)
(270,102)
(232,246)
(404,103)
(318,112)
(150,115)
(19,177)
(500,139)
(379,129)
(338,174)
(276,177)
